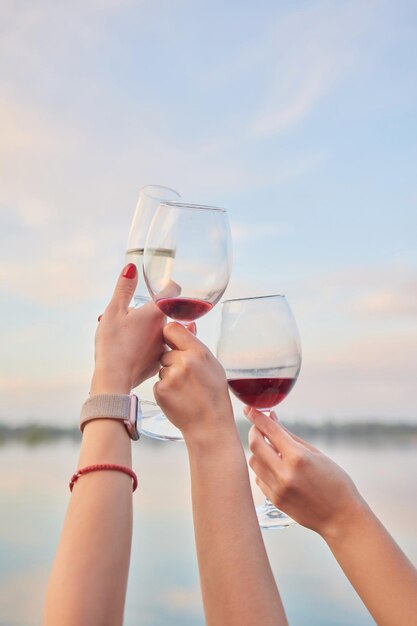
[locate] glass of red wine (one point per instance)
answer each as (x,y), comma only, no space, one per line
(187,266)
(259,347)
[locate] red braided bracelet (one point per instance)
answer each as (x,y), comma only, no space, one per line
(104,466)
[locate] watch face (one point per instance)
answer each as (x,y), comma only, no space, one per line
(132,425)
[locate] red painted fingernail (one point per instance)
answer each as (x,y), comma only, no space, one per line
(99,318)
(129,271)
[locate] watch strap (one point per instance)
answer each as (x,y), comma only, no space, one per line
(111,406)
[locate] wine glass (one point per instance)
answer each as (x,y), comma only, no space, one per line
(187,265)
(259,347)
(150,198)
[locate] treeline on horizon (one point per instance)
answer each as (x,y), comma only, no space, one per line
(364,431)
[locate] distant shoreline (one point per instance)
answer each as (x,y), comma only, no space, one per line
(367,432)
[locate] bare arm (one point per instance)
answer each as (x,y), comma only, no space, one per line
(89,577)
(318,494)
(236,580)
(87,586)
(237,584)
(379,571)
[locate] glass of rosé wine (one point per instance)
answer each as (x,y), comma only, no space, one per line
(259,347)
(187,266)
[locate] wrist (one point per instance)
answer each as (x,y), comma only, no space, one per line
(105,441)
(213,439)
(351,517)
(219,455)
(109,383)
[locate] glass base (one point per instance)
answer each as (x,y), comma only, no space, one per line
(271,518)
(155,425)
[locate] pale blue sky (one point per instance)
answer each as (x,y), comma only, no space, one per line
(298,117)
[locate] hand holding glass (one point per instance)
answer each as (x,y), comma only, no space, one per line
(187,265)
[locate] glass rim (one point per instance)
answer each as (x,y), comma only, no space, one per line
(274,295)
(145,188)
(187,205)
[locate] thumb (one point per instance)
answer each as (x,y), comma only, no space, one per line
(125,287)
(177,337)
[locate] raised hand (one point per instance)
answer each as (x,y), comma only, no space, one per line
(298,478)
(318,494)
(193,393)
(128,342)
(192,390)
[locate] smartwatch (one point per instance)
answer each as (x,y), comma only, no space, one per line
(125,408)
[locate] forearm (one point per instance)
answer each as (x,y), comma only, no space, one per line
(376,567)
(88,582)
(236,579)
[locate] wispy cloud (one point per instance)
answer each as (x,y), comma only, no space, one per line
(273,120)
(310,50)
(29,142)
(245,231)
(389,303)
(370,376)
(73,271)
(380,291)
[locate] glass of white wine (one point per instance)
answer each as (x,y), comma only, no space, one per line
(150,197)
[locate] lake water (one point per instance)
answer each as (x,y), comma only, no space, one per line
(163,583)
